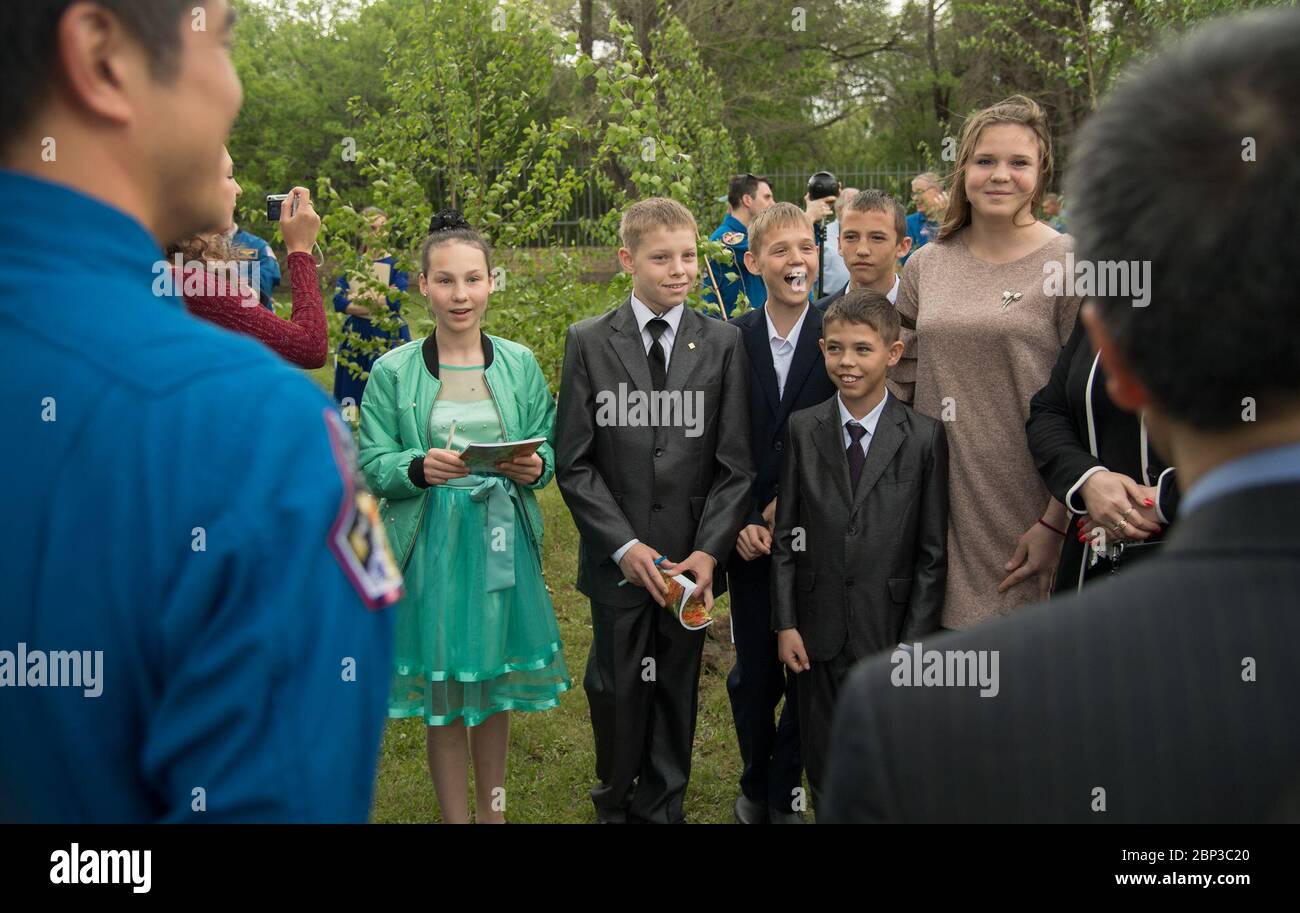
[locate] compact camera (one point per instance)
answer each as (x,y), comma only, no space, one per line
(273,201)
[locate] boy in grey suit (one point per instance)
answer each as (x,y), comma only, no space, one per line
(861,551)
(653,460)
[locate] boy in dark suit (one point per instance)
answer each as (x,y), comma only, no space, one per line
(861,552)
(652,457)
(786,373)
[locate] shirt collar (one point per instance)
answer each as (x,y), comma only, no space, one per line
(793,338)
(1263,467)
(893,292)
(871,419)
(644,315)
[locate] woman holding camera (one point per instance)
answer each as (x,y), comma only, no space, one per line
(209,281)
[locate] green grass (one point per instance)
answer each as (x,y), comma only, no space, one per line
(552,762)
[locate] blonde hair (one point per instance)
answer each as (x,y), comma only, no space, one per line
(1019,110)
(214,249)
(644,216)
(778,215)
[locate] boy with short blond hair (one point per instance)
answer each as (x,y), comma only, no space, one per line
(651,491)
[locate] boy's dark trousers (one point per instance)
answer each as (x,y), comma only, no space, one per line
(870,565)
(769,747)
(818,689)
(634,702)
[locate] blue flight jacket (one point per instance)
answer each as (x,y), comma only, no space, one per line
(188,521)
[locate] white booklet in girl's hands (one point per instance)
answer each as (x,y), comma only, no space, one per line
(484,457)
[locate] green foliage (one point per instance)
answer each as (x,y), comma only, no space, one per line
(539,294)
(468,116)
(659,135)
(458,124)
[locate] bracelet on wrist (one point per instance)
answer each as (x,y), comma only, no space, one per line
(1051,527)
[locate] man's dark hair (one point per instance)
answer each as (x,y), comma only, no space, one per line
(879,201)
(1191,164)
(743,184)
(29,30)
(866,307)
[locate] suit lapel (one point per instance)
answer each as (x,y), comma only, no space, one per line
(686,349)
(830,441)
(884,444)
(627,344)
(759,350)
(806,355)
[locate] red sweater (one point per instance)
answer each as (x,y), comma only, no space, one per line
(301,339)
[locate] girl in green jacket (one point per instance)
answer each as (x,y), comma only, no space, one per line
(476,632)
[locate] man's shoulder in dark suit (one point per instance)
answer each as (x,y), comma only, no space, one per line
(1143,698)
(750,318)
(599,322)
(802,421)
(722,329)
(917,422)
(826,301)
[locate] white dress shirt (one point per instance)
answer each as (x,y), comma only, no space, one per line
(893,292)
(783,349)
(869,421)
(643,314)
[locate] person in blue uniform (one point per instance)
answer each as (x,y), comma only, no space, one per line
(195,580)
(359,330)
(930,202)
(747,195)
(251,247)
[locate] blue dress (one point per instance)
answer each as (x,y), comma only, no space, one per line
(346,385)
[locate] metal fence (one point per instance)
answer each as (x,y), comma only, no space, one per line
(591,203)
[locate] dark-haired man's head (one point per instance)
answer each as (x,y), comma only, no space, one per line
(860,343)
(873,236)
(129,101)
(1183,167)
(748,195)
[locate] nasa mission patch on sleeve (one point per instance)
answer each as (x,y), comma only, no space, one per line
(357,536)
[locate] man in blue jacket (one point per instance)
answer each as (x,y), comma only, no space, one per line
(194,580)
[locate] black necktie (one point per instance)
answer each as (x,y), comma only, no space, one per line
(658,360)
(855,454)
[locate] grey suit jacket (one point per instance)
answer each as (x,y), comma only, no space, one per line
(680,486)
(1165,694)
(873,563)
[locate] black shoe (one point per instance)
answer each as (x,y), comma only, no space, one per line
(750,812)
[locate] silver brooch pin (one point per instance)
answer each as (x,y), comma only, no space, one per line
(1008,297)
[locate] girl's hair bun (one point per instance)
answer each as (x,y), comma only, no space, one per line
(448,220)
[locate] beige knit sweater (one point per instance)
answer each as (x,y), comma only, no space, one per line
(976,358)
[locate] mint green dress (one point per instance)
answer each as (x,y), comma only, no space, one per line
(476,631)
